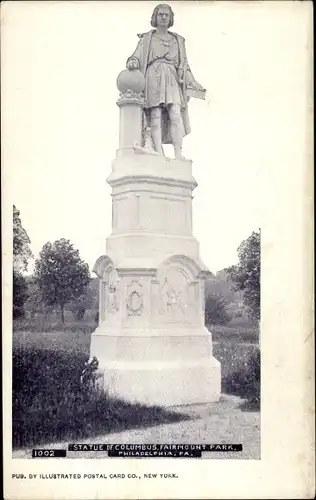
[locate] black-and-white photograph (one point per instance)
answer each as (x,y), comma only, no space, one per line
(157,341)
(138,135)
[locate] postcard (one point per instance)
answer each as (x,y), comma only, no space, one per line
(157,250)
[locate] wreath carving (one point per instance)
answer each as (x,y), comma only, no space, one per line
(134,303)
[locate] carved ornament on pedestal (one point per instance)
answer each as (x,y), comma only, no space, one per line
(171,300)
(109,287)
(111,294)
(134,299)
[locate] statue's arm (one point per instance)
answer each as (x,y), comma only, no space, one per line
(189,76)
(136,56)
(190,81)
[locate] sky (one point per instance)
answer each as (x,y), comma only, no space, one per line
(60,119)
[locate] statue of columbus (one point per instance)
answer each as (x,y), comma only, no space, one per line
(169,83)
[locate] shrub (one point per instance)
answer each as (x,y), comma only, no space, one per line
(245,380)
(216,310)
(90,375)
(51,400)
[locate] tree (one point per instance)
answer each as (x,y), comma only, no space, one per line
(20,294)
(79,306)
(61,274)
(34,302)
(88,300)
(21,255)
(246,274)
(215,310)
(21,249)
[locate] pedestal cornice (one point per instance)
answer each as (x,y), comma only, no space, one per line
(145,167)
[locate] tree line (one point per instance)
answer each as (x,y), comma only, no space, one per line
(60,275)
(62,279)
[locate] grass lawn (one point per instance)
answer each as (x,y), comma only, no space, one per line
(231,350)
(69,341)
(49,403)
(232,346)
(248,334)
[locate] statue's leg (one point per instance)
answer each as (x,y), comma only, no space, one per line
(176,132)
(155,125)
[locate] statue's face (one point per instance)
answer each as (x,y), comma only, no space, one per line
(163,17)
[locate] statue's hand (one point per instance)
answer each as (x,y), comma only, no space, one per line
(180,75)
(132,64)
(197,86)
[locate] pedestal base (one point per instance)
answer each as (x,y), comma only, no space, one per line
(158,370)
(164,384)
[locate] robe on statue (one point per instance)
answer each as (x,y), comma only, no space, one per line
(160,61)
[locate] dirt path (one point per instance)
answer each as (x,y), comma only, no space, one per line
(222,422)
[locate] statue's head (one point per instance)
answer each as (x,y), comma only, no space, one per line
(162,16)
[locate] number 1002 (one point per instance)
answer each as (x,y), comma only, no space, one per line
(36,453)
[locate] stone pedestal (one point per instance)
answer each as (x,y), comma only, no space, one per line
(151,342)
